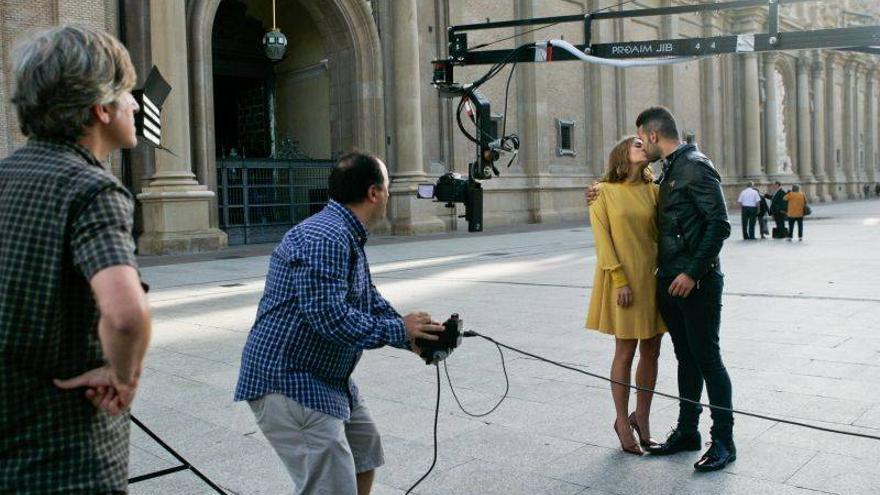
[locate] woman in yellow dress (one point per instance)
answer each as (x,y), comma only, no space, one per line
(623,302)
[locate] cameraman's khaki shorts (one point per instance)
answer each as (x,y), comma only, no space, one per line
(321,452)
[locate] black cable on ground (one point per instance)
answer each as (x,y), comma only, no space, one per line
(471,333)
(504,396)
(436,416)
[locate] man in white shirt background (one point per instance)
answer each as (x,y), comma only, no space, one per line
(748,201)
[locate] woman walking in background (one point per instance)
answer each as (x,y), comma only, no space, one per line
(797,205)
(623,302)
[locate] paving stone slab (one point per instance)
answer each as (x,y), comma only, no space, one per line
(839,474)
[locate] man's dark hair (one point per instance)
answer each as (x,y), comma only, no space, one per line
(778,184)
(352,177)
(659,120)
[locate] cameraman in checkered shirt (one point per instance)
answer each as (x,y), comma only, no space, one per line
(319,312)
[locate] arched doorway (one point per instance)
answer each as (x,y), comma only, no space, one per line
(325,97)
(244,84)
(787,161)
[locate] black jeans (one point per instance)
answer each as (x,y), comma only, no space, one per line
(779,218)
(800,224)
(749,215)
(694,324)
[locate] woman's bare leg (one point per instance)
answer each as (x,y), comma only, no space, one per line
(646,377)
(621,371)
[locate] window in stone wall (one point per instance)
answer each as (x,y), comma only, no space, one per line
(565,137)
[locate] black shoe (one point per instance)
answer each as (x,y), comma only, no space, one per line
(720,454)
(678,441)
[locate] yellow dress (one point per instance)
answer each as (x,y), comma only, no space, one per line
(624,221)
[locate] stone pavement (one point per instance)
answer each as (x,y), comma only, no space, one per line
(800,336)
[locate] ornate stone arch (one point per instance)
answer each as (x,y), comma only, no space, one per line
(355,57)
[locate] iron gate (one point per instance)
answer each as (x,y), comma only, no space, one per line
(260,199)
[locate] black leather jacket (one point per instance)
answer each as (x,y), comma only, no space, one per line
(692,215)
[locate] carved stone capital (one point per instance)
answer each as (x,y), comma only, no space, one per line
(818,64)
(850,67)
(749,20)
(834,61)
(712,22)
(804,65)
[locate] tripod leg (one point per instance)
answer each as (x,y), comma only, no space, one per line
(184,462)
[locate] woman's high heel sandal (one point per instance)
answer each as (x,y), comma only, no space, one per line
(633,446)
(644,442)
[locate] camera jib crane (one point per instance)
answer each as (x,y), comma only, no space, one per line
(490,145)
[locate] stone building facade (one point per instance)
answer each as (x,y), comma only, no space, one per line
(357,75)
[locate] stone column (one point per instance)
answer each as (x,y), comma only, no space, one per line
(771,110)
(752,118)
(201,22)
(849,109)
(534,123)
(819,138)
(137,31)
(750,22)
(409,215)
(175,206)
(668,30)
(860,125)
(805,148)
(870,127)
(831,123)
(711,122)
(858,129)
(599,92)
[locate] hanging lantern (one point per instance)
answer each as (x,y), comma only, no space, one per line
(275,45)
(274,42)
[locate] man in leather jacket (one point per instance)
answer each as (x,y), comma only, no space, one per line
(693,224)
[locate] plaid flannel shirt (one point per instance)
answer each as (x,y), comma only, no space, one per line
(319,311)
(63,218)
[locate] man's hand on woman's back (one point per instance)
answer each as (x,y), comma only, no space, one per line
(591,193)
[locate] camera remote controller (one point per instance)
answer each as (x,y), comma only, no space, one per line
(434,351)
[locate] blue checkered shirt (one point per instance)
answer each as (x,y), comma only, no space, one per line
(318,313)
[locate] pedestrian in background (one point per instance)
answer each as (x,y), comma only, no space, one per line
(763,212)
(748,201)
(797,205)
(71,301)
(778,207)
